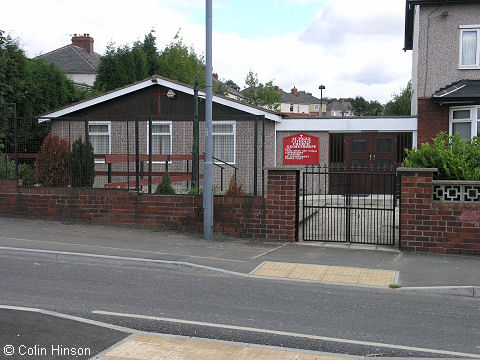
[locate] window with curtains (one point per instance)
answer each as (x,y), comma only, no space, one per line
(465,121)
(469,46)
(223,134)
(100,135)
(161,138)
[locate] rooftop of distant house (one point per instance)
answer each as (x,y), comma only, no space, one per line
(78,57)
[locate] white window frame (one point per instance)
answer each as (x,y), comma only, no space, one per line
(170,125)
(473,120)
(90,134)
(316,106)
(464,28)
(234,130)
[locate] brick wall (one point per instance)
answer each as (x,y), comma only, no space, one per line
(432,118)
(434,226)
(271,218)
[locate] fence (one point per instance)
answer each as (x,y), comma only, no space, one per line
(134,153)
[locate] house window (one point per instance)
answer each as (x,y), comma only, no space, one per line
(100,137)
(291,107)
(316,107)
(465,121)
(223,134)
(161,138)
(469,47)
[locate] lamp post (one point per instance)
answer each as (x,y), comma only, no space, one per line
(321,87)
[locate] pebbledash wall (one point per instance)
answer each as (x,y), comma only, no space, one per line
(439,216)
(271,218)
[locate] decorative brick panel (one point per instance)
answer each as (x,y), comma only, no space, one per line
(434,226)
(272,218)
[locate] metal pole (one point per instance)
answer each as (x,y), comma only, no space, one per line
(137,158)
(16,139)
(263,155)
(87,153)
(196,132)
(208,171)
(149,154)
(255,157)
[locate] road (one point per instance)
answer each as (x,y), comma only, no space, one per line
(353,317)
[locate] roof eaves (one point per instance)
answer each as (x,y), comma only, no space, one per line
(156,79)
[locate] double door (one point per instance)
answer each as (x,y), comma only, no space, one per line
(370,151)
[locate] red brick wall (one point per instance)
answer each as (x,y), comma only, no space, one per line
(272,218)
(432,118)
(437,227)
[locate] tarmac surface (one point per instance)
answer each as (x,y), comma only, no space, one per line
(348,265)
(451,274)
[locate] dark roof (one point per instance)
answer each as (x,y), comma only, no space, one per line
(73,60)
(339,106)
(301,98)
(460,92)
(410,14)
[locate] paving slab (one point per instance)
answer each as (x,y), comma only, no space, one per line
(144,347)
(328,274)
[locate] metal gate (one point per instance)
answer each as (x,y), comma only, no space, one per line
(349,205)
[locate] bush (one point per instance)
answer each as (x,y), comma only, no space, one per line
(25,172)
(165,187)
(454,157)
(80,176)
(51,166)
(233,188)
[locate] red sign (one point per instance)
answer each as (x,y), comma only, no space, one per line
(300,149)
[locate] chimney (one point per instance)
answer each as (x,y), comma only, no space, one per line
(277,88)
(215,75)
(85,42)
(294,91)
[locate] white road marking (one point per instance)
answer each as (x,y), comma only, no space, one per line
(125,249)
(286,333)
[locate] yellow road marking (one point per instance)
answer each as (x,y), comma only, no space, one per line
(324,273)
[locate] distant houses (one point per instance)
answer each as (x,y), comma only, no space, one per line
(78,60)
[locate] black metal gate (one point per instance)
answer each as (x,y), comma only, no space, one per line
(349,205)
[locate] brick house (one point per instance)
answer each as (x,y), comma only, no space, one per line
(444,37)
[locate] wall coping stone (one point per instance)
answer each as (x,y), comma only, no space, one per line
(455,182)
(284,168)
(405,169)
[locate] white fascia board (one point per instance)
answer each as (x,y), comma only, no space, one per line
(349,124)
(163,82)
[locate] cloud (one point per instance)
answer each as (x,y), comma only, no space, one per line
(353,48)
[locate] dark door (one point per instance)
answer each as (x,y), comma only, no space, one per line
(367,155)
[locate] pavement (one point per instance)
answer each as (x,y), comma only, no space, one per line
(323,263)
(41,334)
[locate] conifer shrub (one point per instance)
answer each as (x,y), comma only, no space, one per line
(165,187)
(81,176)
(51,165)
(233,188)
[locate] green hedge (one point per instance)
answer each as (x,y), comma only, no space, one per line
(25,172)
(454,157)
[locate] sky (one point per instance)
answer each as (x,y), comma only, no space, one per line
(353,48)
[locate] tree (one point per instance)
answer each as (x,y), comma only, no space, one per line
(400,103)
(123,65)
(232,84)
(362,107)
(78,163)
(261,95)
(180,62)
(35,87)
